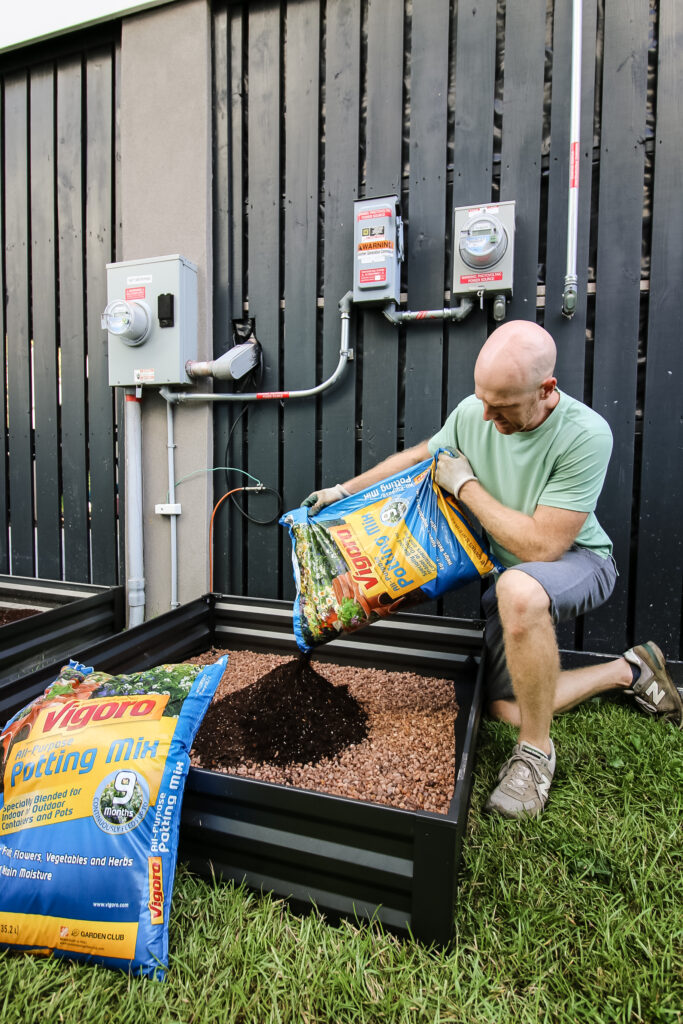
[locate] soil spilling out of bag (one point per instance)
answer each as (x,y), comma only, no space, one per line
(8,615)
(407,759)
(291,714)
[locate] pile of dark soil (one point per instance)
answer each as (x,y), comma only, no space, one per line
(290,715)
(8,615)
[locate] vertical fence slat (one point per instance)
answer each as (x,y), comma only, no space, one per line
(618,290)
(71,321)
(427,202)
(660,532)
(4,466)
(569,335)
(98,251)
(301,251)
(45,370)
(264,279)
(383,177)
(223,270)
(475,80)
(520,177)
(18,327)
(342,101)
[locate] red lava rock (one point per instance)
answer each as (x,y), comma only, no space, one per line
(409,746)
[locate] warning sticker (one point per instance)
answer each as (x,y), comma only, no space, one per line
(144,376)
(375,213)
(574,165)
(379,243)
(377,276)
(496,275)
(135,293)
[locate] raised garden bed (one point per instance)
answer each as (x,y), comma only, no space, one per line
(347,856)
(42,621)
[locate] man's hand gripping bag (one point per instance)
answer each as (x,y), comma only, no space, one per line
(91,783)
(397,543)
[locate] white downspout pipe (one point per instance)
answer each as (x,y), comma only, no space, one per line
(570,293)
(135,561)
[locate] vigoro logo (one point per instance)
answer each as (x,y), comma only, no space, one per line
(362,565)
(77,714)
(156,890)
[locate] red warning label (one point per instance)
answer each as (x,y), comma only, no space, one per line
(384,211)
(377,276)
(496,275)
(574,165)
(135,293)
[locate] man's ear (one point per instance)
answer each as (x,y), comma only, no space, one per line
(548,386)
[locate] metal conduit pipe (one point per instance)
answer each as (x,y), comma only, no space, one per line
(133,461)
(345,355)
(403,316)
(171,499)
(570,293)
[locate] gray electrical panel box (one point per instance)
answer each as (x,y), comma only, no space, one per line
(483,249)
(377,250)
(151,320)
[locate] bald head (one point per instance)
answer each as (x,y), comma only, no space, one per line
(518,357)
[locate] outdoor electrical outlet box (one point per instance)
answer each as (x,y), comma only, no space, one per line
(483,249)
(151,320)
(378,250)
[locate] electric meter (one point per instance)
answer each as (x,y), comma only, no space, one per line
(129,321)
(378,250)
(483,249)
(151,320)
(483,242)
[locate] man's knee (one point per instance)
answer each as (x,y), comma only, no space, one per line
(522,601)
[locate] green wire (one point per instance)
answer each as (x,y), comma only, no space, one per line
(233,469)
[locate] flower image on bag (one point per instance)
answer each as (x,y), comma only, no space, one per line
(390,546)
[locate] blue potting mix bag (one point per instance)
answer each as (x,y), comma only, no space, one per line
(390,546)
(91,777)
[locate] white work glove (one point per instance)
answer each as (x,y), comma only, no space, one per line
(326,496)
(452,471)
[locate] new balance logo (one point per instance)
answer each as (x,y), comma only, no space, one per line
(655,693)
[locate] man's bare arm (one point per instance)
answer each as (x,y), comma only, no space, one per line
(542,537)
(388,467)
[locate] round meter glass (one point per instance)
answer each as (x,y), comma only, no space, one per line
(483,242)
(129,321)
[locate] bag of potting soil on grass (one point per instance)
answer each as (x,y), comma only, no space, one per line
(399,542)
(91,776)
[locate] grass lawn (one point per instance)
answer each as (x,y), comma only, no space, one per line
(576,917)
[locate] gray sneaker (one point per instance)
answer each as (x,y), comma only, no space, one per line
(523,783)
(654,690)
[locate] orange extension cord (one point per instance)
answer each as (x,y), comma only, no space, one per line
(215,509)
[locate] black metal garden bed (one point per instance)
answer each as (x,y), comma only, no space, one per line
(69,615)
(348,857)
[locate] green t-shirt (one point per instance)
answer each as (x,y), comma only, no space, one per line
(562,463)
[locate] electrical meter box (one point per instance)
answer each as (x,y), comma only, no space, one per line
(483,249)
(377,250)
(151,320)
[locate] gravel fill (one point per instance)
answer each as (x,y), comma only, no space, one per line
(406,760)
(8,615)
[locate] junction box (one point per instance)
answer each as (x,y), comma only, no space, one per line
(377,250)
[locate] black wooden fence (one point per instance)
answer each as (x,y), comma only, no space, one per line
(447,104)
(58,472)
(317,103)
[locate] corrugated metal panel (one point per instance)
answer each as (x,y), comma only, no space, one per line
(446,104)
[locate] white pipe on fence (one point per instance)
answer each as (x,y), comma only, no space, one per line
(136,566)
(570,293)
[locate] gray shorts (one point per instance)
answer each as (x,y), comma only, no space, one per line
(575,583)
